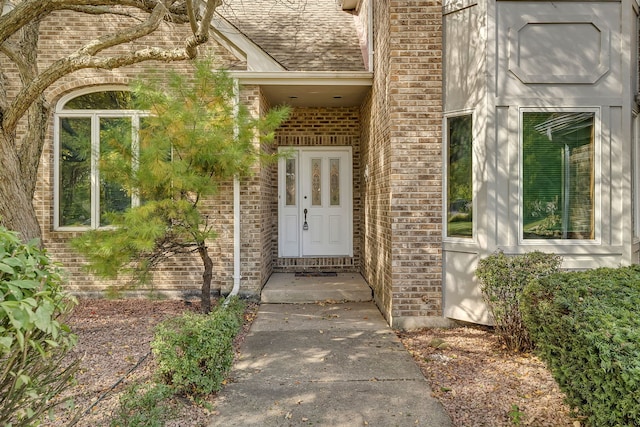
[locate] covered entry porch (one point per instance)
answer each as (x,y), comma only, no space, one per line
(312,199)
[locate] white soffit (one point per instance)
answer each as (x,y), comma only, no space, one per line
(350,4)
(310,88)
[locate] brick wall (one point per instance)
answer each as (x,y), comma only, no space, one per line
(376,157)
(325,127)
(402,257)
(252,205)
(269,206)
(64,32)
(416,158)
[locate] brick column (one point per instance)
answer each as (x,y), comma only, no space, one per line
(415,110)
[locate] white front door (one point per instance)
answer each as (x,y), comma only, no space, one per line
(315,203)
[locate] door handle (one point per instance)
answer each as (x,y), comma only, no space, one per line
(305,226)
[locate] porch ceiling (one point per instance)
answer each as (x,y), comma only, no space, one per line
(310,89)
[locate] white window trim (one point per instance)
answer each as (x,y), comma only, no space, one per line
(94,115)
(597,218)
(635,167)
(445,176)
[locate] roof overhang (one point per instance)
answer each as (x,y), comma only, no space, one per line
(310,88)
(350,4)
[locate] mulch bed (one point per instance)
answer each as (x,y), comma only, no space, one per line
(477,381)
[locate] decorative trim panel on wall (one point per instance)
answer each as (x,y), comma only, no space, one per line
(559,49)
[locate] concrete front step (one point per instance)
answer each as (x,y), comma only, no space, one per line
(286,288)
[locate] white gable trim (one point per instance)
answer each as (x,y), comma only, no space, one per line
(242,47)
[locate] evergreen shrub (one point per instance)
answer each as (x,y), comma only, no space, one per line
(502,280)
(586,326)
(195,351)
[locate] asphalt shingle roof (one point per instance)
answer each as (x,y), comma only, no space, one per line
(302,35)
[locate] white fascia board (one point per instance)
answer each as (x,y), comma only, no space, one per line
(242,47)
(350,4)
(294,78)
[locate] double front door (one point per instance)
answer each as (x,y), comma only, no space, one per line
(315,202)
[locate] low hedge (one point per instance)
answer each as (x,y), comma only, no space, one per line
(586,327)
(195,351)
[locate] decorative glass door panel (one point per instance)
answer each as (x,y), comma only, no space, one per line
(291,188)
(321,223)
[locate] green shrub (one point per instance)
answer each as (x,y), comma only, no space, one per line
(502,279)
(586,326)
(195,351)
(461,217)
(143,406)
(33,341)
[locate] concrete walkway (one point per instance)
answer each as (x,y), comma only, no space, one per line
(325,365)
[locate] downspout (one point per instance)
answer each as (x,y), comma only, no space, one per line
(370,48)
(236,205)
(236,237)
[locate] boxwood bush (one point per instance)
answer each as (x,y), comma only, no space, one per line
(586,327)
(195,351)
(502,280)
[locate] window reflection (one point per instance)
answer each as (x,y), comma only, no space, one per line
(75,171)
(459,176)
(558,175)
(95,127)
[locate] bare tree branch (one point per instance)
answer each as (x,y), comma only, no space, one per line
(147,27)
(100,10)
(11,50)
(85,57)
(202,35)
(192,16)
(29,10)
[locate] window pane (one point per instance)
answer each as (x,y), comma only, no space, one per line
(291,182)
(75,172)
(115,133)
(334,185)
(558,175)
(459,177)
(108,100)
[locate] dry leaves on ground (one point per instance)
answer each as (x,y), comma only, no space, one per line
(481,384)
(478,382)
(114,342)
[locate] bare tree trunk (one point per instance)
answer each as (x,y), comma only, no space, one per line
(207,276)
(16,209)
(19,159)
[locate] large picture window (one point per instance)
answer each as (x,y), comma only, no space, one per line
(459,201)
(558,175)
(84,126)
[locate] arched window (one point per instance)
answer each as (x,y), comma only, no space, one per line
(83,124)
